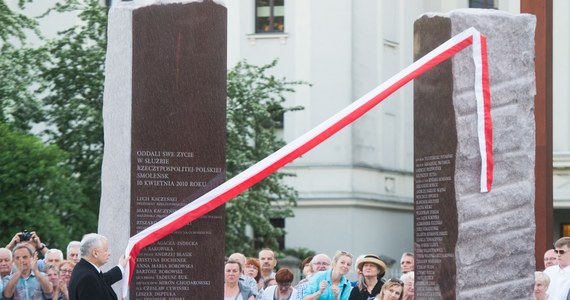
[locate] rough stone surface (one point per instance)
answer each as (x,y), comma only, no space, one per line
(494,253)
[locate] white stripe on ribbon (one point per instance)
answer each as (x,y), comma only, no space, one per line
(312,138)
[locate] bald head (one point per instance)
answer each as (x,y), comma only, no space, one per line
(550,258)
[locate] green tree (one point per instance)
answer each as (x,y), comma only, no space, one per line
(66,74)
(73,87)
(19,106)
(29,83)
(38,191)
(14,25)
(255,112)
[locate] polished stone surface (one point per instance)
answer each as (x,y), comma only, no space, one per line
(165,130)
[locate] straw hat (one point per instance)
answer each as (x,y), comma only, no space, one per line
(371,258)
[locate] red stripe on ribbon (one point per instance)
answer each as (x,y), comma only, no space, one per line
(487,113)
(311,139)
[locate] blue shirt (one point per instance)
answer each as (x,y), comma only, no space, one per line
(28,288)
(315,282)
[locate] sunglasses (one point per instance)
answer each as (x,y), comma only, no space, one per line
(561,252)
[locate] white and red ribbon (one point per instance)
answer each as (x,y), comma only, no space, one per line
(311,139)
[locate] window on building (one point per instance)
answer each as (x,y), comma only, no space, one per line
(482,4)
(279,223)
(269,16)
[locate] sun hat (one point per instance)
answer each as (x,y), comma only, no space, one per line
(371,258)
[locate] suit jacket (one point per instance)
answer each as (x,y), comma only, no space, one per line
(87,283)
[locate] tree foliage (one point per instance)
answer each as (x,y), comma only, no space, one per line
(255,110)
(73,87)
(19,106)
(38,191)
(60,85)
(57,86)
(14,25)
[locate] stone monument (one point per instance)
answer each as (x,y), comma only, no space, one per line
(473,245)
(165,126)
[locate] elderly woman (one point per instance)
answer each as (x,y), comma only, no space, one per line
(65,269)
(371,268)
(331,284)
(391,290)
(408,280)
(541,283)
(283,289)
(233,289)
(53,277)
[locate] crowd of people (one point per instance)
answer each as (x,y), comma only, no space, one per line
(554,282)
(25,276)
(76,277)
(324,278)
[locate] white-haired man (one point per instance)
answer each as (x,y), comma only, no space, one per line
(73,251)
(407,262)
(320,262)
(5,262)
(52,257)
(87,281)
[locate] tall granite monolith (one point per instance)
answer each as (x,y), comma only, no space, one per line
(473,245)
(164,116)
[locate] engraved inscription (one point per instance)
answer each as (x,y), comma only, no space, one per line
(430,231)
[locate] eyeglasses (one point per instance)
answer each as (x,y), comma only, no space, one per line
(395,280)
(321,263)
(65,271)
(561,252)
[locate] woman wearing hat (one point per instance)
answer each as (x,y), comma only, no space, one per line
(369,285)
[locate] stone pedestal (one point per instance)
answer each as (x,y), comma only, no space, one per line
(165,128)
(472,245)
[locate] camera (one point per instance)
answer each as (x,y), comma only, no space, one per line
(25,236)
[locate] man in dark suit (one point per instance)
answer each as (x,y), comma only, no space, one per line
(87,281)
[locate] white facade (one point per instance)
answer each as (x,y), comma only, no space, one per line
(356,189)
(561,106)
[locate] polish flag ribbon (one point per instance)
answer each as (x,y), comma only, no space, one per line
(234,186)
